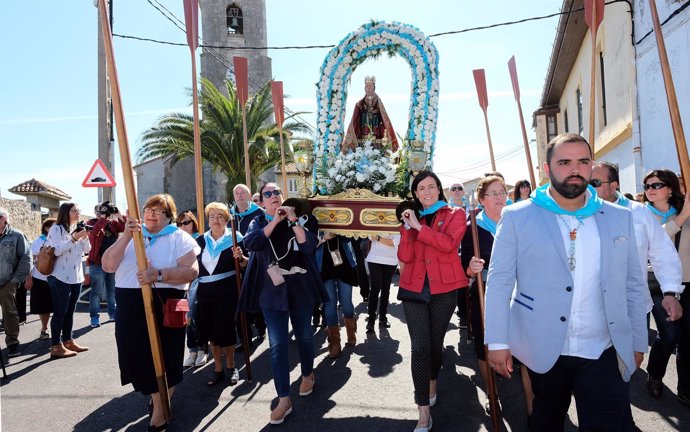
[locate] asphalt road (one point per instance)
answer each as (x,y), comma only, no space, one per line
(369,388)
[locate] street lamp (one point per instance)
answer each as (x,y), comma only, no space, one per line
(304,162)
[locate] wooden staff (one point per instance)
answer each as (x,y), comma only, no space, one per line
(516,92)
(490,374)
(242,83)
(243,317)
(594,15)
(480,83)
(277,93)
(191,13)
(676,122)
(132,204)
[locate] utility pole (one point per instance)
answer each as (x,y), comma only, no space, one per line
(106,140)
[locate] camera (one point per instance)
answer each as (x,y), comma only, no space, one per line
(82,226)
(107,209)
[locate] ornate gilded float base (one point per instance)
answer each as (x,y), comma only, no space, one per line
(356,213)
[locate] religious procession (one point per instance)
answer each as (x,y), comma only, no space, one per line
(262,273)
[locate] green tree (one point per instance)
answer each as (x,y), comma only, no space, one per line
(222,143)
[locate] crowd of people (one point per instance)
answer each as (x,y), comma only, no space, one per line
(579,329)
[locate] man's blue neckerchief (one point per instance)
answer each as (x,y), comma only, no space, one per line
(663,215)
(221,244)
(542,199)
(251,209)
(434,208)
(622,200)
(167,230)
(484,221)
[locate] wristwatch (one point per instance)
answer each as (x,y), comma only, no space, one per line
(160,276)
(674,294)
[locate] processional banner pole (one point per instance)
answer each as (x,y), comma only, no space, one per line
(480,83)
(243,316)
(242,83)
(516,92)
(133,209)
(277,93)
(594,15)
(676,121)
(191,18)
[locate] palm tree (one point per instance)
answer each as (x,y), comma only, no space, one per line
(222,143)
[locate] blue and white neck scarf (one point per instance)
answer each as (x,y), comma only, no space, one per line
(542,199)
(167,230)
(622,200)
(43,237)
(433,209)
(663,215)
(215,247)
(484,221)
(269,217)
(251,209)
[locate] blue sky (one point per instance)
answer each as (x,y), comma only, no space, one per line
(48,93)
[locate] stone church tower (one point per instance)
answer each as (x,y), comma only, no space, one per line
(226,23)
(234,23)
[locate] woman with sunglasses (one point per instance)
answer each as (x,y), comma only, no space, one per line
(70,243)
(521,190)
(282,280)
(431,275)
(171,255)
(665,200)
(198,353)
(491,192)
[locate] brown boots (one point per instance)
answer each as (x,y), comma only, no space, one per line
(59,351)
(72,345)
(351,327)
(334,341)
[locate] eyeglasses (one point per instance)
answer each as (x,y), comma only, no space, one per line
(499,194)
(156,212)
(655,186)
(214,217)
(274,192)
(456,188)
(185,223)
(597,183)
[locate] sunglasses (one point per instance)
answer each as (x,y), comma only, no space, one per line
(596,182)
(185,223)
(455,188)
(274,192)
(655,186)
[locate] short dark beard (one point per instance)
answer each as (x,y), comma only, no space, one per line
(569,191)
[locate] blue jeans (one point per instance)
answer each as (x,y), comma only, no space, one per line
(100,280)
(338,292)
(65,298)
(279,340)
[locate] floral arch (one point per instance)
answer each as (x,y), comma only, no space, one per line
(371,40)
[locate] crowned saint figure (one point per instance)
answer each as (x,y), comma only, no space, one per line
(369,119)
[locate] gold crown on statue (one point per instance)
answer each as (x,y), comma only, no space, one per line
(370,80)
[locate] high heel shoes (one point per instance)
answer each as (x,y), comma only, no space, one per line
(426,428)
(159,428)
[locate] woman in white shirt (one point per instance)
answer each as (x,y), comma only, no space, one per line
(172,265)
(382,261)
(70,243)
(37,283)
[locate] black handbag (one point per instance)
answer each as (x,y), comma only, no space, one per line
(423,297)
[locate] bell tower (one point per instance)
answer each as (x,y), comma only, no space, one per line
(234,24)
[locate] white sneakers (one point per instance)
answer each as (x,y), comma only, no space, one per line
(190,360)
(201,358)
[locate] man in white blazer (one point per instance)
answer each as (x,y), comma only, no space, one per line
(565,296)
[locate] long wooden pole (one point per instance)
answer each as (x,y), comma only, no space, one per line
(197,151)
(482,96)
(133,206)
(277,93)
(594,14)
(490,374)
(676,121)
(488,138)
(243,316)
(516,92)
(247,173)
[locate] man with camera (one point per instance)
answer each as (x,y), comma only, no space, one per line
(105,229)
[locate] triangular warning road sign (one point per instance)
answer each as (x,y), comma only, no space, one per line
(98,176)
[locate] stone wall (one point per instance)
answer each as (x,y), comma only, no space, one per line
(22,217)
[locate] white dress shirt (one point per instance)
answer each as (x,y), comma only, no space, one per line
(68,265)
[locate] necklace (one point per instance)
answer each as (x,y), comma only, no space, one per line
(572,236)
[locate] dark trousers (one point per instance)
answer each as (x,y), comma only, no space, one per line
(601,395)
(683,353)
(65,298)
(21,302)
(381,276)
(362,278)
(669,334)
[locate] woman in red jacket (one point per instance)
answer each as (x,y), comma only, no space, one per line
(431,274)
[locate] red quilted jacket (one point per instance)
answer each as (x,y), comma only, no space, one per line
(433,252)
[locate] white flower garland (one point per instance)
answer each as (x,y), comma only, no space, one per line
(371,40)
